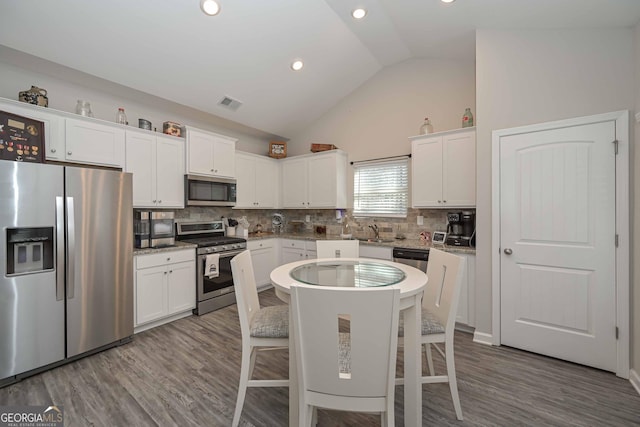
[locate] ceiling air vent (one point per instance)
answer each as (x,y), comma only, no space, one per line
(230,103)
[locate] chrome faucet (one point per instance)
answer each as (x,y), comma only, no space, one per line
(376,232)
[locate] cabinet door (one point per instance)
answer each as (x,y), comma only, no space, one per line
(322,182)
(266,184)
(151,294)
(224,158)
(181,292)
(170,172)
(263,257)
(140,160)
(294,184)
(246,181)
(459,174)
(94,143)
(426,173)
(292,254)
(200,155)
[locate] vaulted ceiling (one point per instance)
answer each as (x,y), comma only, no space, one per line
(170,49)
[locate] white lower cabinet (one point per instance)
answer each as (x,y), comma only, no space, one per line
(466,303)
(165,287)
(297,250)
(264,257)
(377,252)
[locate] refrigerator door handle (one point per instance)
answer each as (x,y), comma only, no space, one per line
(59,249)
(71,249)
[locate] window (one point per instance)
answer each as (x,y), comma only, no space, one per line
(381,188)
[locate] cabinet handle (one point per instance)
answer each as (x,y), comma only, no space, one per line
(165,272)
(154,201)
(159,201)
(53,150)
(211,170)
(170,271)
(439,201)
(168,259)
(508,251)
(69,152)
(444,201)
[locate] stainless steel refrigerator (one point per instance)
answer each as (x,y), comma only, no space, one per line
(66,255)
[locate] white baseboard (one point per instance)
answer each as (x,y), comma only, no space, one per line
(162,321)
(482,338)
(634,378)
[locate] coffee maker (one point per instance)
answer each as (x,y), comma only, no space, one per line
(461,228)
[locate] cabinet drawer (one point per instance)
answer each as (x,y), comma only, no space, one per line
(164,258)
(297,244)
(260,244)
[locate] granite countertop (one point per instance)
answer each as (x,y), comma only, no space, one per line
(178,246)
(407,243)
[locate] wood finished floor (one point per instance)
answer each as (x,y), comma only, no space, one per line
(186,374)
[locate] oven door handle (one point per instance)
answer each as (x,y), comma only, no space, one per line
(231,253)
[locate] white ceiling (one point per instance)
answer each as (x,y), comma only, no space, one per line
(170,49)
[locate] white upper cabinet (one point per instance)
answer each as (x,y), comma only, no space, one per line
(94,143)
(443,169)
(53,126)
(257,181)
(157,165)
(210,154)
(315,181)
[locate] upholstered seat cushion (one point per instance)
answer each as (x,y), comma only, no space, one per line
(271,322)
(344,352)
(430,325)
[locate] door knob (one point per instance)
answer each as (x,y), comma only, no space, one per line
(508,251)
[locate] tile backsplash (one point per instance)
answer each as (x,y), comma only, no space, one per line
(434,220)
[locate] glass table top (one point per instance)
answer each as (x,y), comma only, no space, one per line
(358,274)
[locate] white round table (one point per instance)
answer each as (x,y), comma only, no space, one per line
(351,272)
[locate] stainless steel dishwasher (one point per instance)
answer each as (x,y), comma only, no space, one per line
(417,258)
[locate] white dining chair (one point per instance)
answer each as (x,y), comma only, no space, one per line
(347,371)
(439,308)
(261,328)
(338,248)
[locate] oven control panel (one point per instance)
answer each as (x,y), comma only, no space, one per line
(222,248)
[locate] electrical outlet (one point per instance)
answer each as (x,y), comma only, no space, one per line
(307,218)
(420,220)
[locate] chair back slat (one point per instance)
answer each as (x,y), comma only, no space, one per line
(338,248)
(244,284)
(373,328)
(445,271)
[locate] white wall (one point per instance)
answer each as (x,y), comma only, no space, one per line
(377,118)
(65,86)
(526,77)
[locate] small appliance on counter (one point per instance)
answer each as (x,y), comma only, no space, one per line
(153,229)
(141,229)
(461,228)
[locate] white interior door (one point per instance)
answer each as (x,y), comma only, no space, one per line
(557,223)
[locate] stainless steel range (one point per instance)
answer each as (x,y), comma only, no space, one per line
(215,290)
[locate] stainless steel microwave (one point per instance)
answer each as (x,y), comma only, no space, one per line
(209,191)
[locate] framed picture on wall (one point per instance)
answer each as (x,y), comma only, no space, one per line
(277,149)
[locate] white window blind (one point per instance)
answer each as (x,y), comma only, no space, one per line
(381,188)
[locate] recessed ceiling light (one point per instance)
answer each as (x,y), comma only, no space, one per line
(447,1)
(297,65)
(210,7)
(359,13)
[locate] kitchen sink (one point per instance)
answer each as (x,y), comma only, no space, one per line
(375,240)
